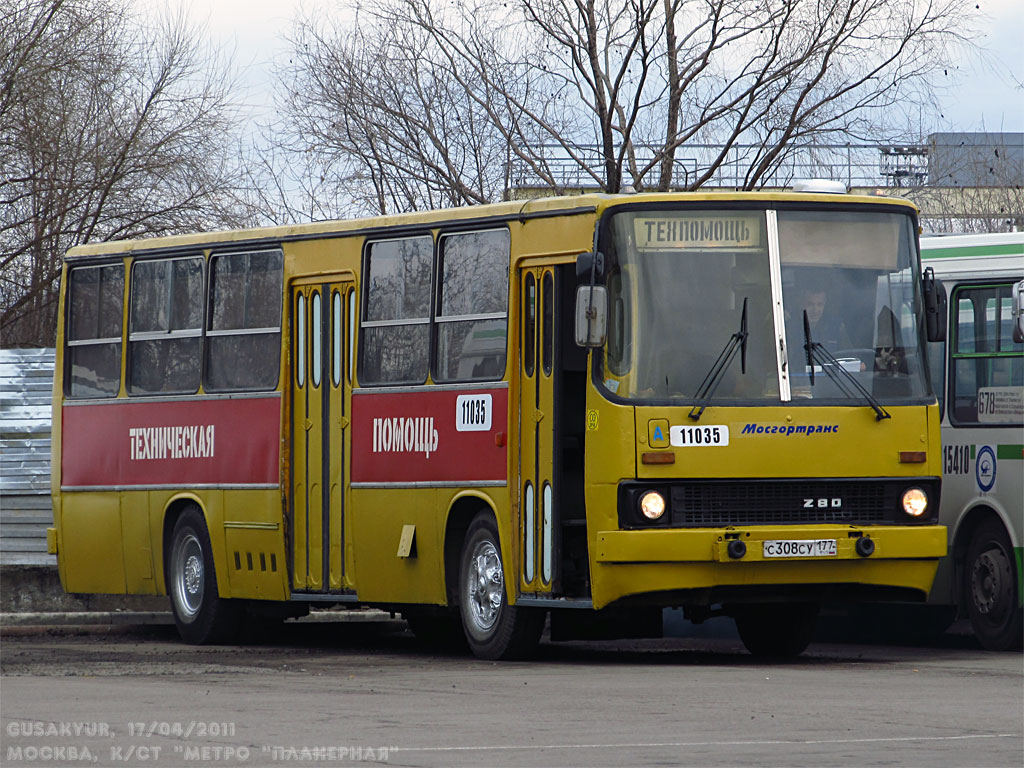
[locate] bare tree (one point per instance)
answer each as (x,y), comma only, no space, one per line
(378,110)
(423,102)
(109,128)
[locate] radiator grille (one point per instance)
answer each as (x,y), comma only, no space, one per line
(779,502)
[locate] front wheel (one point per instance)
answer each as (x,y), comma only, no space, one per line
(780,631)
(991,588)
(201,615)
(493,628)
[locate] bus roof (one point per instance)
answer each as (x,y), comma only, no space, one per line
(521,210)
(977,267)
(982,245)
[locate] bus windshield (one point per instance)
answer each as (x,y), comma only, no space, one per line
(844,282)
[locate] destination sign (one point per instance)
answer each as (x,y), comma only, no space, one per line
(698,231)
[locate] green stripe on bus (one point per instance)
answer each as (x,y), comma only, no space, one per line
(1010,452)
(975,250)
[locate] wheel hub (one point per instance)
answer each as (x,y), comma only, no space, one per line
(193,575)
(990,576)
(188,576)
(486,582)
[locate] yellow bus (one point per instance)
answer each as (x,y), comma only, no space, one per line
(587,407)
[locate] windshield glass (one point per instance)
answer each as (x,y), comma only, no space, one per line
(854,275)
(677,281)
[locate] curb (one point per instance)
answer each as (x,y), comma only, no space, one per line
(24,624)
(84,618)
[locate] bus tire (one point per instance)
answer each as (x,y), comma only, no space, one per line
(493,628)
(777,631)
(990,588)
(201,615)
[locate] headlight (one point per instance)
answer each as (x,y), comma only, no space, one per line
(915,502)
(652,504)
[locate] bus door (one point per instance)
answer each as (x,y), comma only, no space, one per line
(538,421)
(321,386)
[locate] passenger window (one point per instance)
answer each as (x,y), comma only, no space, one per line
(243,349)
(351,333)
(300,340)
(548,317)
(395,330)
(529,324)
(988,366)
(472,315)
(317,333)
(165,327)
(93,347)
(336,338)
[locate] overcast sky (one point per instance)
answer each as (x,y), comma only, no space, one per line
(989,96)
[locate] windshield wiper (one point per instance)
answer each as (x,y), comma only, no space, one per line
(842,378)
(706,390)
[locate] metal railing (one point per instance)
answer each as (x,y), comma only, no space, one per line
(856,165)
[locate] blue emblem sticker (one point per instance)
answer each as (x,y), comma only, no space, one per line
(985,468)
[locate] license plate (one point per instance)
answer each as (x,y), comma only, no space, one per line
(800,548)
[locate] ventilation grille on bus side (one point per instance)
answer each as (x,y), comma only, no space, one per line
(255,561)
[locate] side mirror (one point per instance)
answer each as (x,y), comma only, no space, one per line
(590,267)
(591,315)
(1018,312)
(935,314)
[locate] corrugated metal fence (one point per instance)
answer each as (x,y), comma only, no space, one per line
(26,385)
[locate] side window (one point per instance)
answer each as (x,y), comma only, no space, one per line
(243,336)
(300,340)
(618,349)
(987,365)
(472,312)
(316,352)
(336,340)
(529,324)
(395,329)
(165,326)
(93,343)
(351,334)
(547,327)
(937,371)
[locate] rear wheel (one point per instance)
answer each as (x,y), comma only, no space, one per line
(201,615)
(493,628)
(991,588)
(781,631)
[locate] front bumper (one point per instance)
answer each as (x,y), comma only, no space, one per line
(631,563)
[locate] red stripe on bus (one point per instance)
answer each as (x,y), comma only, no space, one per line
(177,443)
(409,437)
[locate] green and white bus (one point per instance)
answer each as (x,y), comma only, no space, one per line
(978,373)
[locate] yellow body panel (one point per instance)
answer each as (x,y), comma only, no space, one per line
(859,446)
(378,520)
(637,579)
(90,542)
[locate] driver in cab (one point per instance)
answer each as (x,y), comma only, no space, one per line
(826,328)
